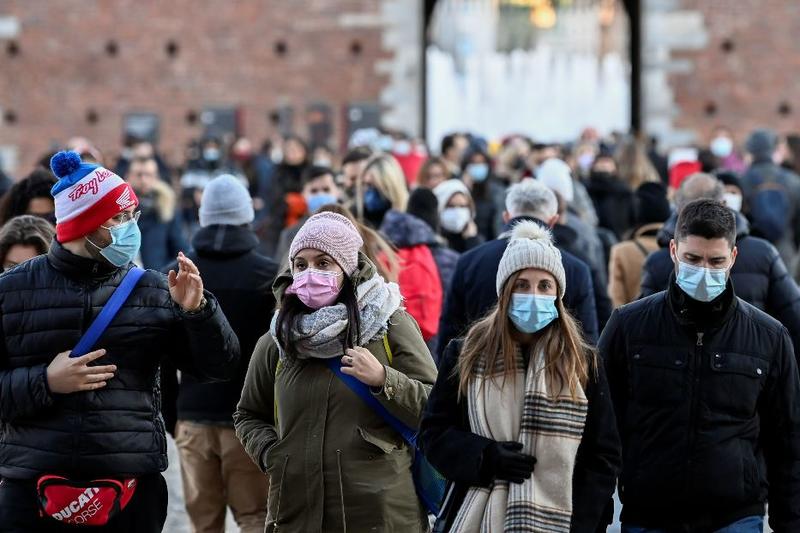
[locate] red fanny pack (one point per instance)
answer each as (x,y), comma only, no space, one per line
(83,503)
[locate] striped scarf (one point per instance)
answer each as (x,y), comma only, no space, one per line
(522,409)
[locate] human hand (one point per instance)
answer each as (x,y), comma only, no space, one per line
(362,365)
(67,374)
(186,286)
(507,463)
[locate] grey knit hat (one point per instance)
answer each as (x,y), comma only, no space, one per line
(531,246)
(226,201)
(333,234)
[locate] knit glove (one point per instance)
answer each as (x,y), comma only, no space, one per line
(502,460)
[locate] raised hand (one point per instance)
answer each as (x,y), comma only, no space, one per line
(186,286)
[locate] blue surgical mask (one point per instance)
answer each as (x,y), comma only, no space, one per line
(700,283)
(531,312)
(316,201)
(478,171)
(374,201)
(126,239)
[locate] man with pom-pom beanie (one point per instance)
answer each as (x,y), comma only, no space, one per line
(96,416)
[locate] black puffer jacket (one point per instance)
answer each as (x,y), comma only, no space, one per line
(707,398)
(759,275)
(242,280)
(46,304)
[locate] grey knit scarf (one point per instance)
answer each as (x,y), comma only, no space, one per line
(319,334)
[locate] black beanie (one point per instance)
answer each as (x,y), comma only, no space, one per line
(651,203)
(422,203)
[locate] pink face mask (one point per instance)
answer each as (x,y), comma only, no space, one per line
(315,288)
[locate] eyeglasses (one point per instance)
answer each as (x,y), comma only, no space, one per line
(122,218)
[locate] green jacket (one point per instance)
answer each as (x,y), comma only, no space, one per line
(334,464)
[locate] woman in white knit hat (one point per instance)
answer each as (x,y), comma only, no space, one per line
(520,419)
(457,215)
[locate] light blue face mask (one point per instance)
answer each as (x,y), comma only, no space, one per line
(531,312)
(316,201)
(126,239)
(478,171)
(701,284)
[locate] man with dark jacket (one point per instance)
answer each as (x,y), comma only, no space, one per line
(772,195)
(96,416)
(473,291)
(706,393)
(216,471)
(160,223)
(759,274)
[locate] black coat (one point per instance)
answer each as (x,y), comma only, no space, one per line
(473,290)
(759,275)
(451,446)
(46,304)
(241,279)
(161,240)
(707,398)
(614,203)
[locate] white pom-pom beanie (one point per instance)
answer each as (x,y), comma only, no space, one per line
(531,246)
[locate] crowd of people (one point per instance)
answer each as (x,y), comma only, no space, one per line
(546,324)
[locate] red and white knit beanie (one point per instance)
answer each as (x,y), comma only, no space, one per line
(86,195)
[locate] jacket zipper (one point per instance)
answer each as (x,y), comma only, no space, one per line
(695,398)
(280,495)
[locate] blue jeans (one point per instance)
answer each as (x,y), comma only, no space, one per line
(751,524)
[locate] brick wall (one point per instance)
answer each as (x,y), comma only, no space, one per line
(734,62)
(57,71)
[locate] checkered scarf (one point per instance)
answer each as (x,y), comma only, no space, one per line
(522,409)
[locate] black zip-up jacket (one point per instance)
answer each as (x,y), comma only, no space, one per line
(242,280)
(451,446)
(707,398)
(46,304)
(759,275)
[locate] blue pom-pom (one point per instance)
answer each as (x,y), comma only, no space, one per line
(65,163)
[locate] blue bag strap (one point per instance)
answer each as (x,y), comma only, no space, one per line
(108,312)
(362,391)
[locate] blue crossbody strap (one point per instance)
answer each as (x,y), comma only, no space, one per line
(363,392)
(108,312)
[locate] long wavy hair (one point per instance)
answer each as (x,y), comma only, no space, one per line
(489,343)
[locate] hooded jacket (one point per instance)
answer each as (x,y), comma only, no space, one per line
(46,304)
(241,279)
(334,464)
(759,275)
(425,268)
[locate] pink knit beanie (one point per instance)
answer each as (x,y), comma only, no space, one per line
(333,234)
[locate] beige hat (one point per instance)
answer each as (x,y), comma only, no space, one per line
(531,246)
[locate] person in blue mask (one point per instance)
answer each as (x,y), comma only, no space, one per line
(319,189)
(93,420)
(520,420)
(705,388)
(486,190)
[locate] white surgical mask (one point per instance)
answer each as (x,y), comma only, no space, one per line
(734,201)
(455,219)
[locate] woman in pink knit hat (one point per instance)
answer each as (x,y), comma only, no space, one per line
(334,462)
